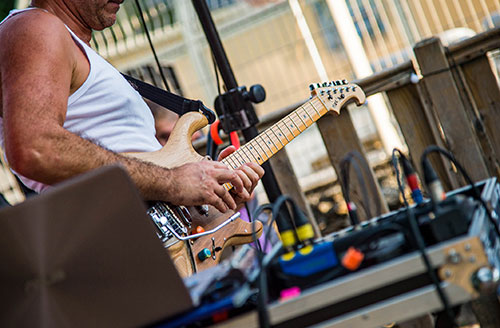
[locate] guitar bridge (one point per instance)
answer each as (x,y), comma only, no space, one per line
(166,220)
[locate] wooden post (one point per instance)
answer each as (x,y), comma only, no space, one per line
(289,185)
(340,137)
(419,130)
(446,102)
(478,78)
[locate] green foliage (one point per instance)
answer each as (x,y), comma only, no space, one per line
(5,7)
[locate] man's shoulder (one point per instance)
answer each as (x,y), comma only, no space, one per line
(31,28)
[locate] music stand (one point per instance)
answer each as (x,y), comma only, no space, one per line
(85,254)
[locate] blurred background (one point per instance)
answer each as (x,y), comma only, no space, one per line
(285,46)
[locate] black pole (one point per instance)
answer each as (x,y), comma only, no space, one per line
(269,180)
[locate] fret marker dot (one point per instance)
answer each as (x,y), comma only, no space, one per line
(258,158)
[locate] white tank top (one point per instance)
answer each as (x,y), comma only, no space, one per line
(106,110)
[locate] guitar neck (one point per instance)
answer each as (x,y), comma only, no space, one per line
(274,138)
(329,97)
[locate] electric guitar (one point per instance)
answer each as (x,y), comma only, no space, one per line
(174,223)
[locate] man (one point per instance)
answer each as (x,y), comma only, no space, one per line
(65,111)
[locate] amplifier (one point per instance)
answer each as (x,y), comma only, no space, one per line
(390,283)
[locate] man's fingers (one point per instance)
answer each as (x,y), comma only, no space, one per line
(226,197)
(224,176)
(256,168)
(226,152)
(219,204)
(243,174)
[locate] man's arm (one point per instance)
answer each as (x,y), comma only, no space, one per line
(39,68)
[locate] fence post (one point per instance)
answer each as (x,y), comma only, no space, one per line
(478,79)
(419,127)
(446,102)
(340,137)
(289,185)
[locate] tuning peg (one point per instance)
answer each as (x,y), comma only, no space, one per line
(344,81)
(318,85)
(341,90)
(334,91)
(325,84)
(347,89)
(353,88)
(338,82)
(311,87)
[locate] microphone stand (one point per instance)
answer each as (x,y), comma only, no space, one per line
(235,108)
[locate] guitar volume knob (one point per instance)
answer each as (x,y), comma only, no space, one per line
(204,254)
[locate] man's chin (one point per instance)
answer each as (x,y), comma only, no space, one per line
(108,21)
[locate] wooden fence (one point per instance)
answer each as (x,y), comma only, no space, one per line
(448,97)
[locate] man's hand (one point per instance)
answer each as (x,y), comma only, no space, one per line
(202,183)
(249,173)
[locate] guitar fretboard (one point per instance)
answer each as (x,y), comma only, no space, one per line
(271,140)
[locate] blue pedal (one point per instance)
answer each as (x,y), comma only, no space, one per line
(303,264)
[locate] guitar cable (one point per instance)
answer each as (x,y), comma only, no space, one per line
(475,191)
(419,240)
(345,185)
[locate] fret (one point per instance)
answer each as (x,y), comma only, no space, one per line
(231,163)
(259,154)
(315,109)
(299,125)
(285,127)
(280,134)
(306,115)
(270,142)
(246,151)
(251,149)
(276,137)
(322,107)
(242,161)
(300,121)
(242,153)
(236,159)
(290,125)
(302,118)
(267,146)
(281,131)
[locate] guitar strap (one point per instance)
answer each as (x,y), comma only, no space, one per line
(169,100)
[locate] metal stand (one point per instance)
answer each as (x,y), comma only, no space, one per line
(238,110)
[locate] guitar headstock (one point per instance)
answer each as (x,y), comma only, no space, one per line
(335,94)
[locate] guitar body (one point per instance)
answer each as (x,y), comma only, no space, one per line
(328,97)
(178,151)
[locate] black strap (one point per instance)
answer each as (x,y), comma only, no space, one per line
(171,101)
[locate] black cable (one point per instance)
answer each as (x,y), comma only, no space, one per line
(395,165)
(262,278)
(216,71)
(256,241)
(262,298)
(361,159)
(345,185)
(146,31)
(476,194)
(419,240)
